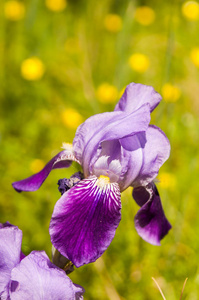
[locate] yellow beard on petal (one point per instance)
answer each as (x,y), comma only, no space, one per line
(103,181)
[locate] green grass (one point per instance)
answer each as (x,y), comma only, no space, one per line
(31,127)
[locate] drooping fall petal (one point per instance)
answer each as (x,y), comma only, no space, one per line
(62,160)
(150,221)
(84,220)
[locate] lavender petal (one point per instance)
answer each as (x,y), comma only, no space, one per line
(10,254)
(155,152)
(107,127)
(135,95)
(36,278)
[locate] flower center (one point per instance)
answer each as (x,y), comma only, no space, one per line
(103,181)
(106,169)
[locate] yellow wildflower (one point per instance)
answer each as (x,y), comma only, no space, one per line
(32,68)
(170,93)
(14,10)
(194,56)
(56,5)
(36,165)
(144,15)
(71,118)
(190,10)
(107,93)
(139,62)
(167,180)
(113,23)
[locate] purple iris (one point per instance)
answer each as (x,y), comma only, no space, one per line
(116,150)
(33,276)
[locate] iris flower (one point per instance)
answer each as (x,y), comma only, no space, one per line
(33,276)
(116,150)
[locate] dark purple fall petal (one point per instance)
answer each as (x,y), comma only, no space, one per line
(84,220)
(10,253)
(135,95)
(150,221)
(36,278)
(62,160)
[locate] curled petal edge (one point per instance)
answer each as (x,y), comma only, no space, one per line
(62,160)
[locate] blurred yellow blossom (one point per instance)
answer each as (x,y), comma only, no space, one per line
(36,165)
(144,15)
(56,5)
(194,56)
(170,93)
(190,10)
(14,10)
(113,23)
(167,180)
(107,93)
(32,68)
(139,62)
(71,118)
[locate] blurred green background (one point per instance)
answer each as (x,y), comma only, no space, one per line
(62,62)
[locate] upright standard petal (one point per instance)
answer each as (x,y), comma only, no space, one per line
(132,161)
(155,152)
(36,278)
(62,160)
(107,127)
(10,253)
(85,218)
(135,95)
(150,221)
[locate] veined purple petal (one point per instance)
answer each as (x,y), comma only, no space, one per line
(36,278)
(150,221)
(107,127)
(155,152)
(10,251)
(62,160)
(135,95)
(84,220)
